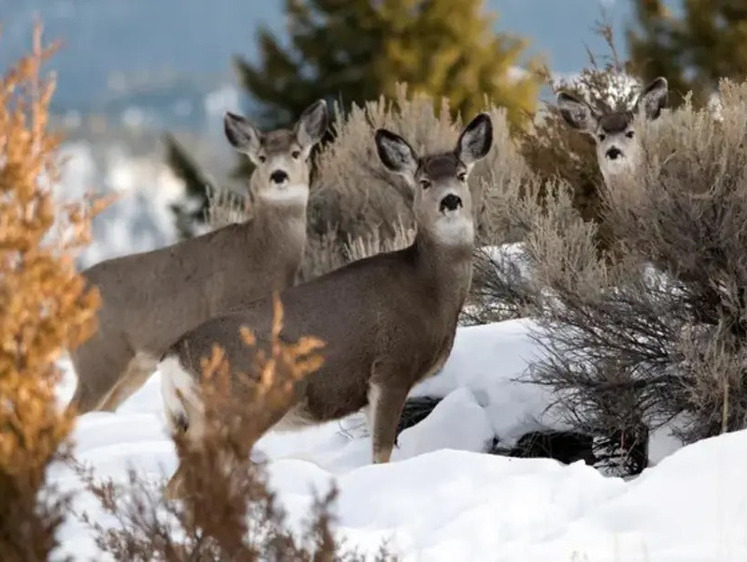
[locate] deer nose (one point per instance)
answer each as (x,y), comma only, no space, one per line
(278,176)
(450,203)
(614,153)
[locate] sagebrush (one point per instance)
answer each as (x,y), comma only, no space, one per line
(45,305)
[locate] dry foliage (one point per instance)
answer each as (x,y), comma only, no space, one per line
(660,334)
(45,307)
(229,513)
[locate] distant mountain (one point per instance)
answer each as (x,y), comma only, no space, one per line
(165,59)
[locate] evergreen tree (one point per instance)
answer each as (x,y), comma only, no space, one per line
(356,50)
(692,49)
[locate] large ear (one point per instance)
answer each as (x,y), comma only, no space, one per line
(395,153)
(653,98)
(242,135)
(311,125)
(475,141)
(577,113)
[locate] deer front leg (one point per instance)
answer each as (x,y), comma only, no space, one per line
(385,404)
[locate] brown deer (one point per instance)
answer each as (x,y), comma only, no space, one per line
(388,320)
(612,130)
(150,299)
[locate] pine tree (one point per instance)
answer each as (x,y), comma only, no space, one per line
(693,50)
(356,50)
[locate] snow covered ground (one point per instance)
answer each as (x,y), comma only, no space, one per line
(442,498)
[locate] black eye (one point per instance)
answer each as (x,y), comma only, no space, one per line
(602,137)
(296,154)
(630,134)
(425,184)
(462,176)
(262,158)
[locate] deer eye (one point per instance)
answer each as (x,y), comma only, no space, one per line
(462,176)
(630,134)
(425,184)
(296,154)
(602,137)
(262,158)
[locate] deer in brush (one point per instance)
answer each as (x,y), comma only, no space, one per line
(150,299)
(388,321)
(613,130)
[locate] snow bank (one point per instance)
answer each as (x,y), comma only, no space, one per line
(441,498)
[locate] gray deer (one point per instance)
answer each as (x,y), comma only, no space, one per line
(150,299)
(388,321)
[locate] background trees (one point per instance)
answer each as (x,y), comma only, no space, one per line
(694,48)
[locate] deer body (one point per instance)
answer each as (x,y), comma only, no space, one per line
(150,299)
(388,320)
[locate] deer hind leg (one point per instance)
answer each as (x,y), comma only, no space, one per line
(99,364)
(138,371)
(385,403)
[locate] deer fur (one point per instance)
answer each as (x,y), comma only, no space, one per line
(388,320)
(613,131)
(152,298)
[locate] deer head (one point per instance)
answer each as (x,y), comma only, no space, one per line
(280,157)
(442,203)
(613,131)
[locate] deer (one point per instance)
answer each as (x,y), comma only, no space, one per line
(613,131)
(388,320)
(149,300)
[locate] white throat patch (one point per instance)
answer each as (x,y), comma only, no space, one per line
(292,194)
(455,229)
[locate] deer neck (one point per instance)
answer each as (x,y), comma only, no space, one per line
(446,269)
(279,225)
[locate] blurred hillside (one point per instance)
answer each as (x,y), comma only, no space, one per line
(166,64)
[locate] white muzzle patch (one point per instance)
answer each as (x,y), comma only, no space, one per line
(454,228)
(290,194)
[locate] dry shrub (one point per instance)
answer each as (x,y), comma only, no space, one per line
(225,206)
(328,252)
(45,308)
(228,512)
(661,334)
(357,201)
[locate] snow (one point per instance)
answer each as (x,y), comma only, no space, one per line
(140,219)
(441,497)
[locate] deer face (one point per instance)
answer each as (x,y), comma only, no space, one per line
(442,203)
(613,131)
(281,157)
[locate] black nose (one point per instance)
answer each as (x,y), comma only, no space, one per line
(278,176)
(614,153)
(450,203)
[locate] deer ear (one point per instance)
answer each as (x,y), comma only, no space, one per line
(242,135)
(475,141)
(653,98)
(395,153)
(577,113)
(311,126)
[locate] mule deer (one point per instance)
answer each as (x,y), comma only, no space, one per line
(150,299)
(613,130)
(388,320)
